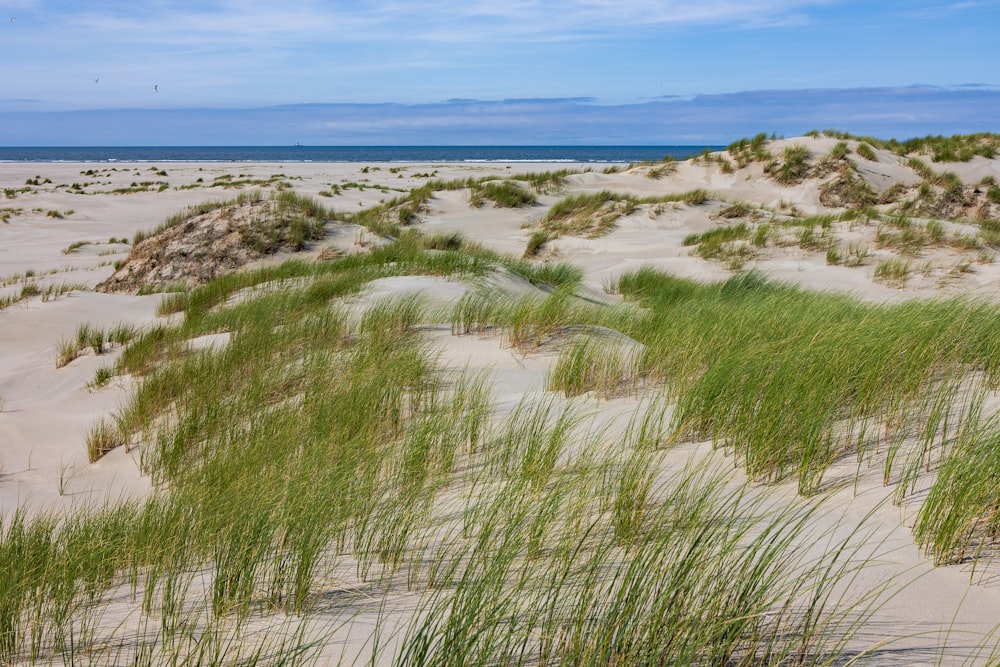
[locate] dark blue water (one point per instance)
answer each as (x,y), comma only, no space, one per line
(623,154)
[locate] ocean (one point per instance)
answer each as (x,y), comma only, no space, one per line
(621,154)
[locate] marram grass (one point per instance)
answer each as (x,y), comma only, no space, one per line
(790,381)
(319,451)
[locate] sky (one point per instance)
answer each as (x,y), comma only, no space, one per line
(224,72)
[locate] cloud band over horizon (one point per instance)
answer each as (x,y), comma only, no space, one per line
(887,112)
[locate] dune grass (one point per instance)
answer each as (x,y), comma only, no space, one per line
(894,271)
(596,214)
(960,522)
(589,215)
(503,194)
(709,244)
(390,217)
(289,218)
(323,451)
(792,167)
(747,150)
(323,410)
(97,339)
(955,148)
(790,381)
(865,151)
(30,289)
(608,367)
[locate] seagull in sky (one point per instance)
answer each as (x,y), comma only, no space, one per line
(97,80)
(156,88)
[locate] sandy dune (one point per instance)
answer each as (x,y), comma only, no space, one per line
(47,410)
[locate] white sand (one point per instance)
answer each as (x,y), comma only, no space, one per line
(47,411)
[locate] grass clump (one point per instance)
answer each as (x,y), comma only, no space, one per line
(908,237)
(536,242)
(594,215)
(94,338)
(545,182)
(839,151)
(588,215)
(72,247)
(893,271)
(848,190)
(748,150)
(865,151)
(922,169)
(103,376)
(722,243)
(792,167)
(959,521)
(736,210)
(666,167)
(103,437)
(607,367)
(503,194)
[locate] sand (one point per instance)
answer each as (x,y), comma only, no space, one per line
(47,411)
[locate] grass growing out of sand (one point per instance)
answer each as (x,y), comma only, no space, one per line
(893,271)
(597,214)
(790,381)
(95,338)
(390,217)
(289,218)
(959,522)
(606,366)
(504,194)
(321,452)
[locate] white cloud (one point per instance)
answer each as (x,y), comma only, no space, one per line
(273,26)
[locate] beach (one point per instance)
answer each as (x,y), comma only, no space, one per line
(68,227)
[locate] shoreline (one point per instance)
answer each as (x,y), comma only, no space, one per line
(457,155)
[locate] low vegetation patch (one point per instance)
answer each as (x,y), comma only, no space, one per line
(588,215)
(865,151)
(792,167)
(597,214)
(956,148)
(216,237)
(729,244)
(894,271)
(848,190)
(748,150)
(502,194)
(389,217)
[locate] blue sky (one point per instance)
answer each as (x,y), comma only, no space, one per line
(392,71)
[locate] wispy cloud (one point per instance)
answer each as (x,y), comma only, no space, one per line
(255,52)
(928,11)
(268,25)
